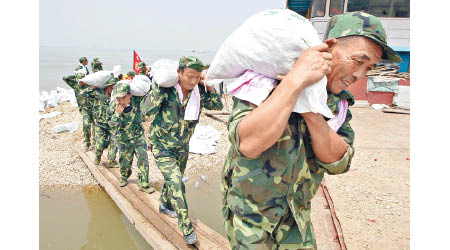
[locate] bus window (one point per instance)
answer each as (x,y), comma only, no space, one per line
(318,8)
(336,7)
(380,8)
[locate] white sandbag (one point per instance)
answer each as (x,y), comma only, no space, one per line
(97,79)
(116,70)
(49,115)
(71,127)
(204,140)
(214,82)
(165,73)
(140,85)
(41,106)
(52,99)
(269,43)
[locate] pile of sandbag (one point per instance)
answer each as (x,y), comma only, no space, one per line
(204,140)
(139,86)
(55,97)
(269,43)
(165,72)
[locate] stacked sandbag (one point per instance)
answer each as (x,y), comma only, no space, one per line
(269,44)
(165,73)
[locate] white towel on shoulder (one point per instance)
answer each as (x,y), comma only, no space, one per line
(193,106)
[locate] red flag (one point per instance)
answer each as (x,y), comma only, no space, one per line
(136,61)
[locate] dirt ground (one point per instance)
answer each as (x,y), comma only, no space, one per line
(371,200)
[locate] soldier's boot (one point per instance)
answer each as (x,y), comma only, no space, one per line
(147,189)
(123,182)
(166,211)
(191,239)
(112,164)
(97,160)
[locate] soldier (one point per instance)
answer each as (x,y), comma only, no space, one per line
(130,75)
(84,104)
(127,122)
(272,172)
(82,68)
(101,118)
(170,132)
(96,65)
(144,70)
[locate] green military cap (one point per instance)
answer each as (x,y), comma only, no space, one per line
(111,82)
(95,59)
(131,73)
(192,62)
(141,64)
(121,90)
(83,59)
(361,24)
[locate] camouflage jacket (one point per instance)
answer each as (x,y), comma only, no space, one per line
(285,176)
(80,75)
(128,124)
(100,104)
(96,66)
(83,102)
(169,130)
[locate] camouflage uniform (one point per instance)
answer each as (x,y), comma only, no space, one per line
(101,117)
(113,146)
(130,137)
(267,200)
(96,65)
(86,109)
(84,106)
(169,136)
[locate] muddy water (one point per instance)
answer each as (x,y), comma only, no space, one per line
(84,218)
(87,218)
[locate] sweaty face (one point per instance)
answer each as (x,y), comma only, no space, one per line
(351,61)
(124,101)
(189,78)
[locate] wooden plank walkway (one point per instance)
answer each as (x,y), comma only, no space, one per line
(141,209)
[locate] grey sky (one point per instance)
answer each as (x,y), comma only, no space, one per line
(140,24)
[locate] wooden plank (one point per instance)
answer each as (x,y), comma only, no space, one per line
(147,207)
(143,226)
(208,238)
(396,111)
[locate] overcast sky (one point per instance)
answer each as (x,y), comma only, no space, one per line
(178,24)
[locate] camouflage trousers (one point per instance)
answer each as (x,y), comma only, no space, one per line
(88,122)
(103,139)
(173,193)
(112,149)
(128,149)
(242,233)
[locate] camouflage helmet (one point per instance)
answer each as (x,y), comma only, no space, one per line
(121,90)
(361,24)
(111,82)
(82,59)
(192,62)
(95,59)
(131,73)
(141,65)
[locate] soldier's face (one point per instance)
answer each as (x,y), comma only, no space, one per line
(189,78)
(351,62)
(130,77)
(124,101)
(85,62)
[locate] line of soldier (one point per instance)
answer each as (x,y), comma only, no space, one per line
(116,117)
(277,158)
